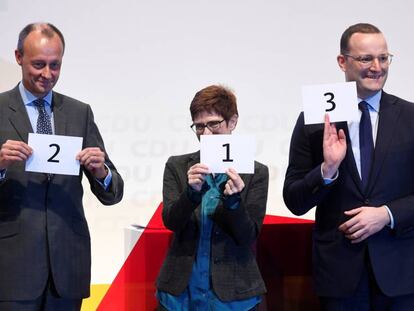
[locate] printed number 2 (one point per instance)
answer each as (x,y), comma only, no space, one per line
(52,158)
(330,100)
(227,159)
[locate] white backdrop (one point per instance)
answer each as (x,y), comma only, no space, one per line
(139,64)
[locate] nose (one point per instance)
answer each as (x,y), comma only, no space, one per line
(375,65)
(46,72)
(207,131)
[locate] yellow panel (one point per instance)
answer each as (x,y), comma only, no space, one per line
(98,291)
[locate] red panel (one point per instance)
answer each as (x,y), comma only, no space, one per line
(283,254)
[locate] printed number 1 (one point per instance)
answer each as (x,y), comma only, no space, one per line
(227,159)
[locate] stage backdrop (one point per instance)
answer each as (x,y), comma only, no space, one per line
(139,64)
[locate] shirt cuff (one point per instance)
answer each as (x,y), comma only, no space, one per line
(2,174)
(391,224)
(107,181)
(328,181)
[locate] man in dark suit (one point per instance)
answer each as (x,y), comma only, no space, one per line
(215,219)
(360,177)
(44,237)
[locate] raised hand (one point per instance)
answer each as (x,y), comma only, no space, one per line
(334,148)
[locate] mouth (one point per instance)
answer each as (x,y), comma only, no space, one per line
(374,76)
(45,84)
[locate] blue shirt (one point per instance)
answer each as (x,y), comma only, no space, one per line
(199,295)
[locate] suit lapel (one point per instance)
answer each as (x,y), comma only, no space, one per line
(388,116)
(18,115)
(193,159)
(58,115)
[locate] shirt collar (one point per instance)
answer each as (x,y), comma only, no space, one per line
(373,101)
(28,97)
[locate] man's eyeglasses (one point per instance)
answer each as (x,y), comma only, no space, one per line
(198,128)
(367,60)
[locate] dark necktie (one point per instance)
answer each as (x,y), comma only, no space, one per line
(44,126)
(366,143)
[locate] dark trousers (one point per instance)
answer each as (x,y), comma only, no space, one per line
(161,308)
(48,301)
(368,297)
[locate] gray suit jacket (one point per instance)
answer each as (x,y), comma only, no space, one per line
(234,270)
(43,229)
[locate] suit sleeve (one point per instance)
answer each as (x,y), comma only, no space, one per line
(304,187)
(243,224)
(177,206)
(115,190)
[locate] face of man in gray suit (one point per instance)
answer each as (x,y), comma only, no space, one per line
(40,61)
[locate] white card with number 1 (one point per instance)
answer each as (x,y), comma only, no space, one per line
(220,152)
(54,154)
(339,100)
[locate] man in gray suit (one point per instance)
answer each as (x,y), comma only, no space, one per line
(44,237)
(215,219)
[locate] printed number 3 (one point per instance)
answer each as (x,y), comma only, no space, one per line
(330,101)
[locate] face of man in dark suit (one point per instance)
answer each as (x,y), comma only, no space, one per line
(370,76)
(40,61)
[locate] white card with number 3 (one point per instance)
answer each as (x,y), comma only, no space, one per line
(339,100)
(54,154)
(220,152)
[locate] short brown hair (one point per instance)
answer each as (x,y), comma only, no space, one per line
(214,98)
(361,28)
(46,29)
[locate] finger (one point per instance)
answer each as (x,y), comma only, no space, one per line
(355,228)
(230,183)
(16,149)
(360,239)
(326,131)
(89,150)
(353,211)
(232,174)
(356,234)
(348,224)
(198,171)
(22,147)
(341,135)
(196,179)
(227,189)
(201,165)
(96,161)
(18,158)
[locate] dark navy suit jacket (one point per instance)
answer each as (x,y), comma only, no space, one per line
(337,263)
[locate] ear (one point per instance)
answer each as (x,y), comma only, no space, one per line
(341,59)
(19,57)
(233,122)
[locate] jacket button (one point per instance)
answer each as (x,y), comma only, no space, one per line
(367,202)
